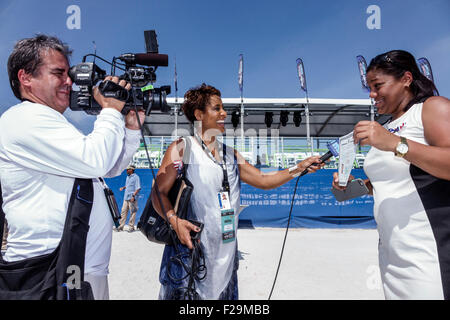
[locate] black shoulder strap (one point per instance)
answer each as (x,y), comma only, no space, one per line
(73,242)
(186,153)
(72,246)
(2,218)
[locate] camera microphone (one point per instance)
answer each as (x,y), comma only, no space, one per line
(333,148)
(146,59)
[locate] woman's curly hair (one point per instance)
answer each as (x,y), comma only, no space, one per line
(197,98)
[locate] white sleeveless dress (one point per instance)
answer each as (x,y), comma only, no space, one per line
(412,211)
(207,176)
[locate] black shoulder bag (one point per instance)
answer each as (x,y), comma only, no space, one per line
(151,224)
(58,275)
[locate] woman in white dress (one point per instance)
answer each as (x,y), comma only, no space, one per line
(215,170)
(408,168)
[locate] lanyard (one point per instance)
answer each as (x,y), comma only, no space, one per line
(225,184)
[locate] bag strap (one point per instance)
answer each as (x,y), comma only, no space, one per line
(72,246)
(73,242)
(2,219)
(186,152)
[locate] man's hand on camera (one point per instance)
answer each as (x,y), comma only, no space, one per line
(131,121)
(111,102)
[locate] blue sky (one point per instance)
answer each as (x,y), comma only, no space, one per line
(206,37)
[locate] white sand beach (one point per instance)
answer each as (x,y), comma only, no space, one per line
(322,264)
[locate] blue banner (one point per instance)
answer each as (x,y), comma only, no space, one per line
(362,66)
(175,76)
(301,74)
(425,68)
(314,204)
(241,72)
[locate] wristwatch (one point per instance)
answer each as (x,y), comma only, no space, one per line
(402,147)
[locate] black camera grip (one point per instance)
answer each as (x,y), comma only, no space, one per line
(111,89)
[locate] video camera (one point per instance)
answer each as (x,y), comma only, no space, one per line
(139,70)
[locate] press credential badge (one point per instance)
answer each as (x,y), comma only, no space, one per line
(227,216)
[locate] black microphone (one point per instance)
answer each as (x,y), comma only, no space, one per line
(146,59)
(333,148)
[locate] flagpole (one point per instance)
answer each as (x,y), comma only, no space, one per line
(308,131)
(241,87)
(176,100)
(362,66)
(302,77)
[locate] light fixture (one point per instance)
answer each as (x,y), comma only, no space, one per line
(284,117)
(297,118)
(268,119)
(235,118)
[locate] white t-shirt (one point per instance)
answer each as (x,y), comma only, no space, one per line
(41,154)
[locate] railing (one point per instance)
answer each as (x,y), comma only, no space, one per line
(278,152)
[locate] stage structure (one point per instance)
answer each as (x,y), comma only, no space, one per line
(328,117)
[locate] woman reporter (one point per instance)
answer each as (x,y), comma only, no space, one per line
(409,171)
(213,169)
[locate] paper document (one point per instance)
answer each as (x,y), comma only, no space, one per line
(347,153)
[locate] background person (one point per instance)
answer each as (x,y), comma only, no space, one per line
(41,154)
(132,188)
(203,105)
(408,168)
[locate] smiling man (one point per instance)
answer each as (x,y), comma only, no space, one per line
(41,155)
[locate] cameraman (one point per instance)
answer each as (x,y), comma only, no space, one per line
(41,154)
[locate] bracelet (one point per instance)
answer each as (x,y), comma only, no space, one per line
(293,168)
(170,216)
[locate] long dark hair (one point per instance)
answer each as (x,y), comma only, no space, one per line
(396,63)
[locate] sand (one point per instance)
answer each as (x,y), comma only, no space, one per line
(323,264)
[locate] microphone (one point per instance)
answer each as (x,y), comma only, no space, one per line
(333,150)
(146,59)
